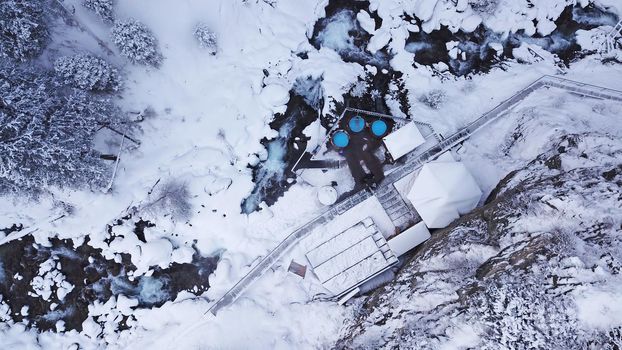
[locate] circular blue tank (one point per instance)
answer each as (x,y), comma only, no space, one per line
(340,138)
(356,124)
(379,127)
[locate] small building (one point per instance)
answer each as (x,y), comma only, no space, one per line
(442,191)
(351,257)
(409,239)
(297,269)
(403,140)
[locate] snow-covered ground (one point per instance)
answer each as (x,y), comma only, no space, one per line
(208,114)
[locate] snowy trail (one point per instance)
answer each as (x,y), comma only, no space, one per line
(412,164)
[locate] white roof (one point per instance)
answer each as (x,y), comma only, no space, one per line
(327,195)
(403,140)
(409,239)
(442,192)
(351,257)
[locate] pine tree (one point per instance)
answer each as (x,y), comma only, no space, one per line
(87,72)
(23,31)
(103,8)
(136,42)
(206,38)
(46,132)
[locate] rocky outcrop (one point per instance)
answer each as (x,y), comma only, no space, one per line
(536,267)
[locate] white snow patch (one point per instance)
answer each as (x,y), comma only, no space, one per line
(599,308)
(366,22)
(380,39)
(125,304)
(49,279)
(153,253)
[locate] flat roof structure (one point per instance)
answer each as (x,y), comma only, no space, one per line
(409,239)
(351,257)
(403,140)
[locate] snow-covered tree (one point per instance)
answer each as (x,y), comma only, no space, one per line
(433,98)
(23,31)
(206,38)
(46,132)
(136,42)
(103,8)
(87,72)
(484,6)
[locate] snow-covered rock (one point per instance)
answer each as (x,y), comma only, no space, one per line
(366,22)
(125,304)
(153,253)
(274,95)
(380,39)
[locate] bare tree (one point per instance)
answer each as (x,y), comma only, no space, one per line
(172,198)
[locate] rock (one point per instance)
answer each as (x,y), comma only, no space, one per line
(533,266)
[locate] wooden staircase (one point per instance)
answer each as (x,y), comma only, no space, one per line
(401,214)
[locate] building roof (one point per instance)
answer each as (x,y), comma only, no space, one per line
(442,192)
(297,269)
(403,140)
(351,257)
(409,239)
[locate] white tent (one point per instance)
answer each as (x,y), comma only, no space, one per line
(409,239)
(442,192)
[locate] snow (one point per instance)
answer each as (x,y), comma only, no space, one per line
(366,22)
(154,253)
(195,96)
(470,23)
(60,326)
(336,74)
(274,95)
(442,191)
(182,255)
(339,243)
(336,34)
(50,280)
(425,9)
(379,40)
(599,309)
(593,39)
(125,304)
(345,259)
(357,273)
(461,338)
(403,140)
(408,239)
(369,208)
(327,195)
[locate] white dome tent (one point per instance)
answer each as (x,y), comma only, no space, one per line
(442,192)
